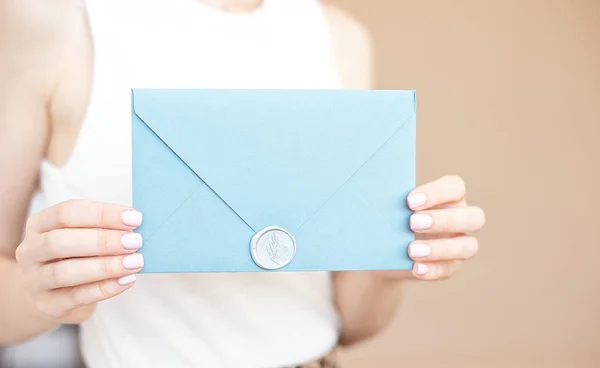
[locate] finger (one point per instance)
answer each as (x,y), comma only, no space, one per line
(85,214)
(79,271)
(448,249)
(431,271)
(452,220)
(447,189)
(71,243)
(61,302)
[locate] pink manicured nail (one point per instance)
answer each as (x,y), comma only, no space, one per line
(131,218)
(416,200)
(126,280)
(133,261)
(420,221)
(131,241)
(422,269)
(419,250)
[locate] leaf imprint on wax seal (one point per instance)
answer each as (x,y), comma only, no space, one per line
(273,247)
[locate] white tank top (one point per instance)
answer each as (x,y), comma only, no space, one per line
(195,320)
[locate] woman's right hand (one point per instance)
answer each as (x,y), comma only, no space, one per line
(77,253)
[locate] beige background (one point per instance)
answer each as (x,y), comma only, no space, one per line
(509,98)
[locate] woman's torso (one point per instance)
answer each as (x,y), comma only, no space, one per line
(181,320)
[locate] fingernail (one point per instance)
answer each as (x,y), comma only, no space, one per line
(416,200)
(419,250)
(131,218)
(133,261)
(126,280)
(422,269)
(131,241)
(420,221)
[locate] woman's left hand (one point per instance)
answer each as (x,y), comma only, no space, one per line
(443,223)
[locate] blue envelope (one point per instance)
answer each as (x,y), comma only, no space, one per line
(273,180)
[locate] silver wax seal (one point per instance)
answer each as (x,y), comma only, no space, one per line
(272,248)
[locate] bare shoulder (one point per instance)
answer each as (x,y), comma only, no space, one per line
(40,17)
(353,48)
(34,35)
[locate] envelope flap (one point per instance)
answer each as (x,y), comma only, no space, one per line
(274,156)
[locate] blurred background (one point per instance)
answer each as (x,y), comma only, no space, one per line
(509,98)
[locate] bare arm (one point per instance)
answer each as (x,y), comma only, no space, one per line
(69,256)
(29,52)
(23,131)
(365,301)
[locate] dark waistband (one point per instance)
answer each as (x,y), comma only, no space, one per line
(328,361)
